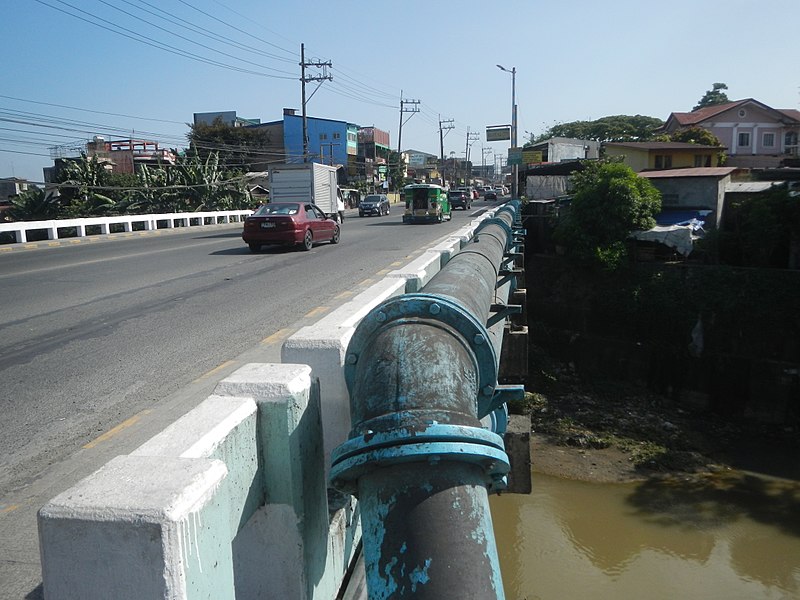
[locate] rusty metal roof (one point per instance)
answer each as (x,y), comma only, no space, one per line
(690,172)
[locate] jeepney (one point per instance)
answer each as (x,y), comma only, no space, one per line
(426,203)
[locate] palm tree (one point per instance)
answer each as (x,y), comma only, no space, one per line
(34,204)
(80,180)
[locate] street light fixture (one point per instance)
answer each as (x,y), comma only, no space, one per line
(514,172)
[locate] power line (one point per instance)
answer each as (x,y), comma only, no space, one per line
(160,45)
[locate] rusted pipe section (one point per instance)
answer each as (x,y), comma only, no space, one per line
(421,370)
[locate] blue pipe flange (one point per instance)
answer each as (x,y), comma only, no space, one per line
(438,442)
(430,308)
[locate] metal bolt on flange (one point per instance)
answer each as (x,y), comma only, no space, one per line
(478,339)
(352,359)
(435,309)
(381,317)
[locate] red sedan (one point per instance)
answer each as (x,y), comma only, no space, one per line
(291,224)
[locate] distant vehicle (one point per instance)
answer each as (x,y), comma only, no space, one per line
(291,224)
(502,190)
(426,203)
(481,190)
(351,197)
(375,204)
(460,199)
(490,194)
(307,182)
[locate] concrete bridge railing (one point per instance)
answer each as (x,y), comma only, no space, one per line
(231,500)
(56,228)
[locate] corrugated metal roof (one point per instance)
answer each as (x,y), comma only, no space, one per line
(692,172)
(663,146)
(750,186)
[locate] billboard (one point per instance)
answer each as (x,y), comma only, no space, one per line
(498,134)
(514,156)
(530,157)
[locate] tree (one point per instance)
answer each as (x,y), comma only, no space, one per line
(764,230)
(397,168)
(695,135)
(34,204)
(609,201)
(238,148)
(713,97)
(81,181)
(616,128)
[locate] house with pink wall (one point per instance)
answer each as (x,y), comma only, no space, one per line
(756,135)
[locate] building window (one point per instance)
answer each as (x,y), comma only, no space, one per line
(791,138)
(702,160)
(769,140)
(323,136)
(744,139)
(337,135)
(663,161)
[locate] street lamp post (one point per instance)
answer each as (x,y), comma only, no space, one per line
(514,167)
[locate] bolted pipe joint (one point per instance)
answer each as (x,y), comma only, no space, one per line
(421,374)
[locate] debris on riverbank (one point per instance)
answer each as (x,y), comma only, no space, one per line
(614,431)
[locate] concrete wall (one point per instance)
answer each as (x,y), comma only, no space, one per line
(231,500)
(694,192)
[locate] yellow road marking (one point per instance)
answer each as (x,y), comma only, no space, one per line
(51,244)
(397,263)
(343,295)
(115,430)
(316,311)
(6,249)
(9,508)
(224,365)
(368,281)
(75,241)
(31,246)
(383,272)
(276,337)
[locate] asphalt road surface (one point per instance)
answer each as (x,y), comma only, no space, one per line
(105,342)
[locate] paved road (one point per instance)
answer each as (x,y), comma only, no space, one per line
(105,342)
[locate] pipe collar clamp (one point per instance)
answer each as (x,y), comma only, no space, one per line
(429,307)
(438,442)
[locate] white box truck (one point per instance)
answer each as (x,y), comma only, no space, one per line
(304,182)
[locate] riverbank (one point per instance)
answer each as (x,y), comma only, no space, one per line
(604,431)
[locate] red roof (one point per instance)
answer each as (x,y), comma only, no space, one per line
(686,119)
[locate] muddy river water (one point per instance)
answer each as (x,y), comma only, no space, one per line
(729,536)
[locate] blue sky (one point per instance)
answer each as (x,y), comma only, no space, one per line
(66,79)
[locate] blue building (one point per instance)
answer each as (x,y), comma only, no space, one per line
(329,141)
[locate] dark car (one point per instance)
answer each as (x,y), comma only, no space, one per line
(459,199)
(374,204)
(490,194)
(291,224)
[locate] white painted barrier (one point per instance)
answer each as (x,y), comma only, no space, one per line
(230,501)
(147,222)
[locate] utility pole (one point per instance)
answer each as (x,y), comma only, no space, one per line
(304,80)
(471,139)
(444,125)
(414,108)
(484,152)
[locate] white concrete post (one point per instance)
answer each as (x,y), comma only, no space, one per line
(132,531)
